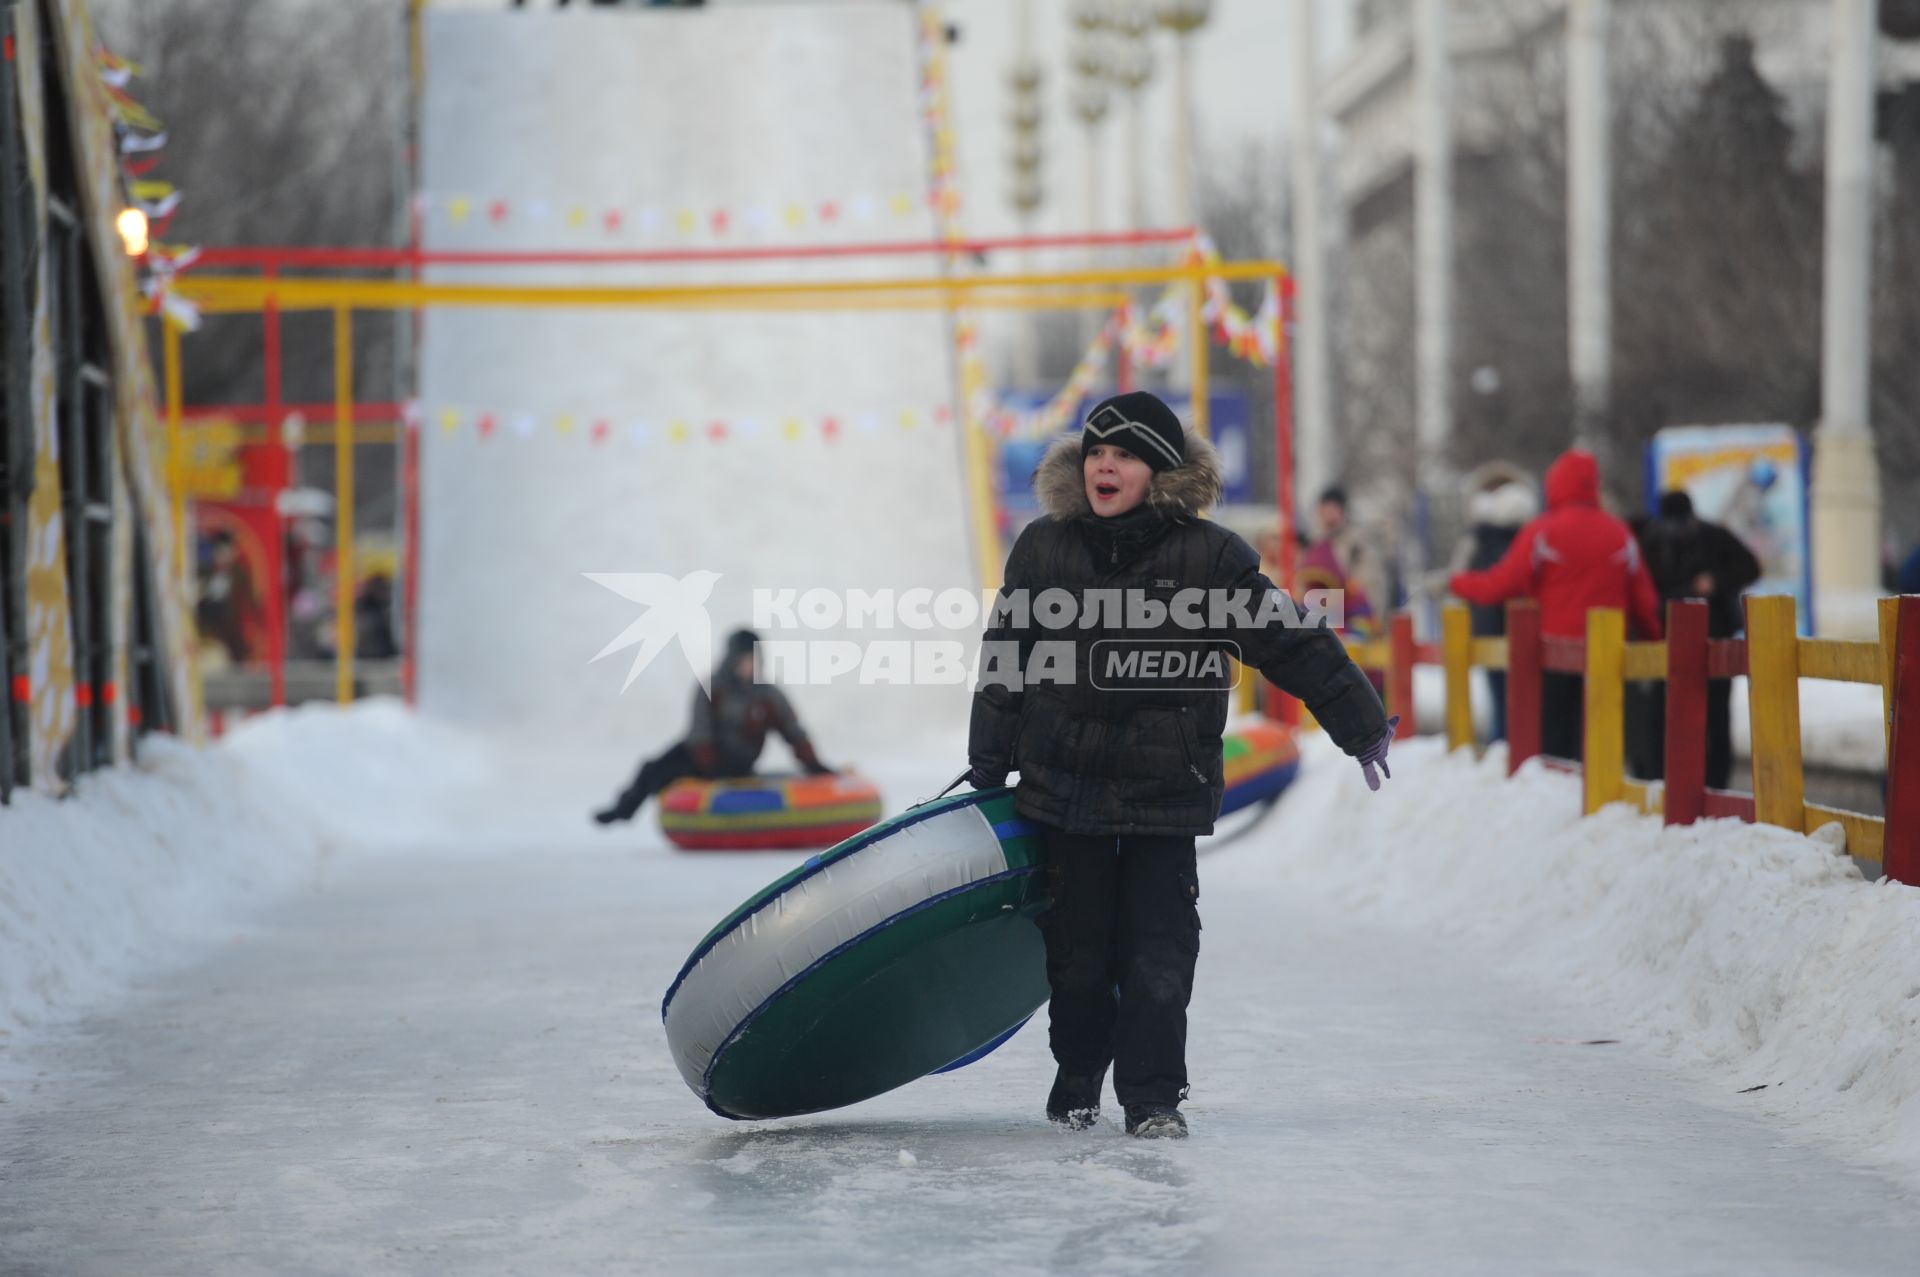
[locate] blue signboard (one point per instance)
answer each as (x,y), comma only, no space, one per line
(1230,428)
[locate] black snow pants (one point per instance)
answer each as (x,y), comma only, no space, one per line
(1562,712)
(657,773)
(1122,936)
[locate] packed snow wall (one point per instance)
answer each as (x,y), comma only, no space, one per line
(797,449)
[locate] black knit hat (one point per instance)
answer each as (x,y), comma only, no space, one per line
(740,643)
(1140,423)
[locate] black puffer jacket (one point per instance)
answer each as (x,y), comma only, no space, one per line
(1145,760)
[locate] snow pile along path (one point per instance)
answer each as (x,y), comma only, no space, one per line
(1754,955)
(145,866)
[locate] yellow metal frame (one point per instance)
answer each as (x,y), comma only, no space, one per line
(1064,290)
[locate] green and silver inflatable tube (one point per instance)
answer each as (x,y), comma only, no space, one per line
(907,949)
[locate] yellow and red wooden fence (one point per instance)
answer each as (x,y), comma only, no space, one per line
(1772,657)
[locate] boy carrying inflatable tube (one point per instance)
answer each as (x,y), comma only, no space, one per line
(1104,685)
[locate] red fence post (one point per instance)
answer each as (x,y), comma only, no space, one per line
(1902,855)
(1686,730)
(1523,683)
(1400,673)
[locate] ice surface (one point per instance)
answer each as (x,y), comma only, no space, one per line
(437,1048)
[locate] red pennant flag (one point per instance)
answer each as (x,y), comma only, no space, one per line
(942,414)
(716,431)
(829,209)
(485,425)
(612,221)
(830,429)
(497,211)
(601,430)
(719,221)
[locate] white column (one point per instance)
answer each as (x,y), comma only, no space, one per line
(1589,217)
(1315,462)
(1433,240)
(1187,203)
(1846,474)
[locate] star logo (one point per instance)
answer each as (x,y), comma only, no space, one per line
(675,610)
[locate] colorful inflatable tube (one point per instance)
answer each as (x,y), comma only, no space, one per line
(907,949)
(767,813)
(1260,759)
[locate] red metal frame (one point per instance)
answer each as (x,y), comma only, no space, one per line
(273,413)
(277,610)
(270,257)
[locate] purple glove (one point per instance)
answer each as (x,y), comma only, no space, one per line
(1375,755)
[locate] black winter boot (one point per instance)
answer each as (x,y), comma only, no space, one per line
(1074,1102)
(1156,1122)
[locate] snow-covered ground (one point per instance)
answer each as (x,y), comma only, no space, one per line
(379,998)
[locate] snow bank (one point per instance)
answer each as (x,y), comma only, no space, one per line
(146,865)
(1751,955)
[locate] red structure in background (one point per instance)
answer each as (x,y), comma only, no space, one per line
(252,517)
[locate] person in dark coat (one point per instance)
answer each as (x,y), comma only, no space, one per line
(730,725)
(1573,558)
(1908,582)
(1691,558)
(1500,506)
(1113,719)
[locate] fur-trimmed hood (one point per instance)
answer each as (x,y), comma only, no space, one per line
(1186,491)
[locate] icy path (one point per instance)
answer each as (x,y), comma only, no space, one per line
(449,1062)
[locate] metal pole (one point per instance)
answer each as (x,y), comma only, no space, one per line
(343,617)
(1312,352)
(276,440)
(1201,408)
(1589,224)
(1846,474)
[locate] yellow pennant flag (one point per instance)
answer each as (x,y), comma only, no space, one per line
(449,420)
(457,209)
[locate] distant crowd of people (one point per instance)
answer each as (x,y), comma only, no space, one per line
(1568,557)
(231,614)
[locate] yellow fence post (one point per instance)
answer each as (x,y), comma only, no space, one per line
(1603,762)
(1773,708)
(1456,649)
(343,614)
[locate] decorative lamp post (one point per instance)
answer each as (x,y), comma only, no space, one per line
(1183,18)
(1132,71)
